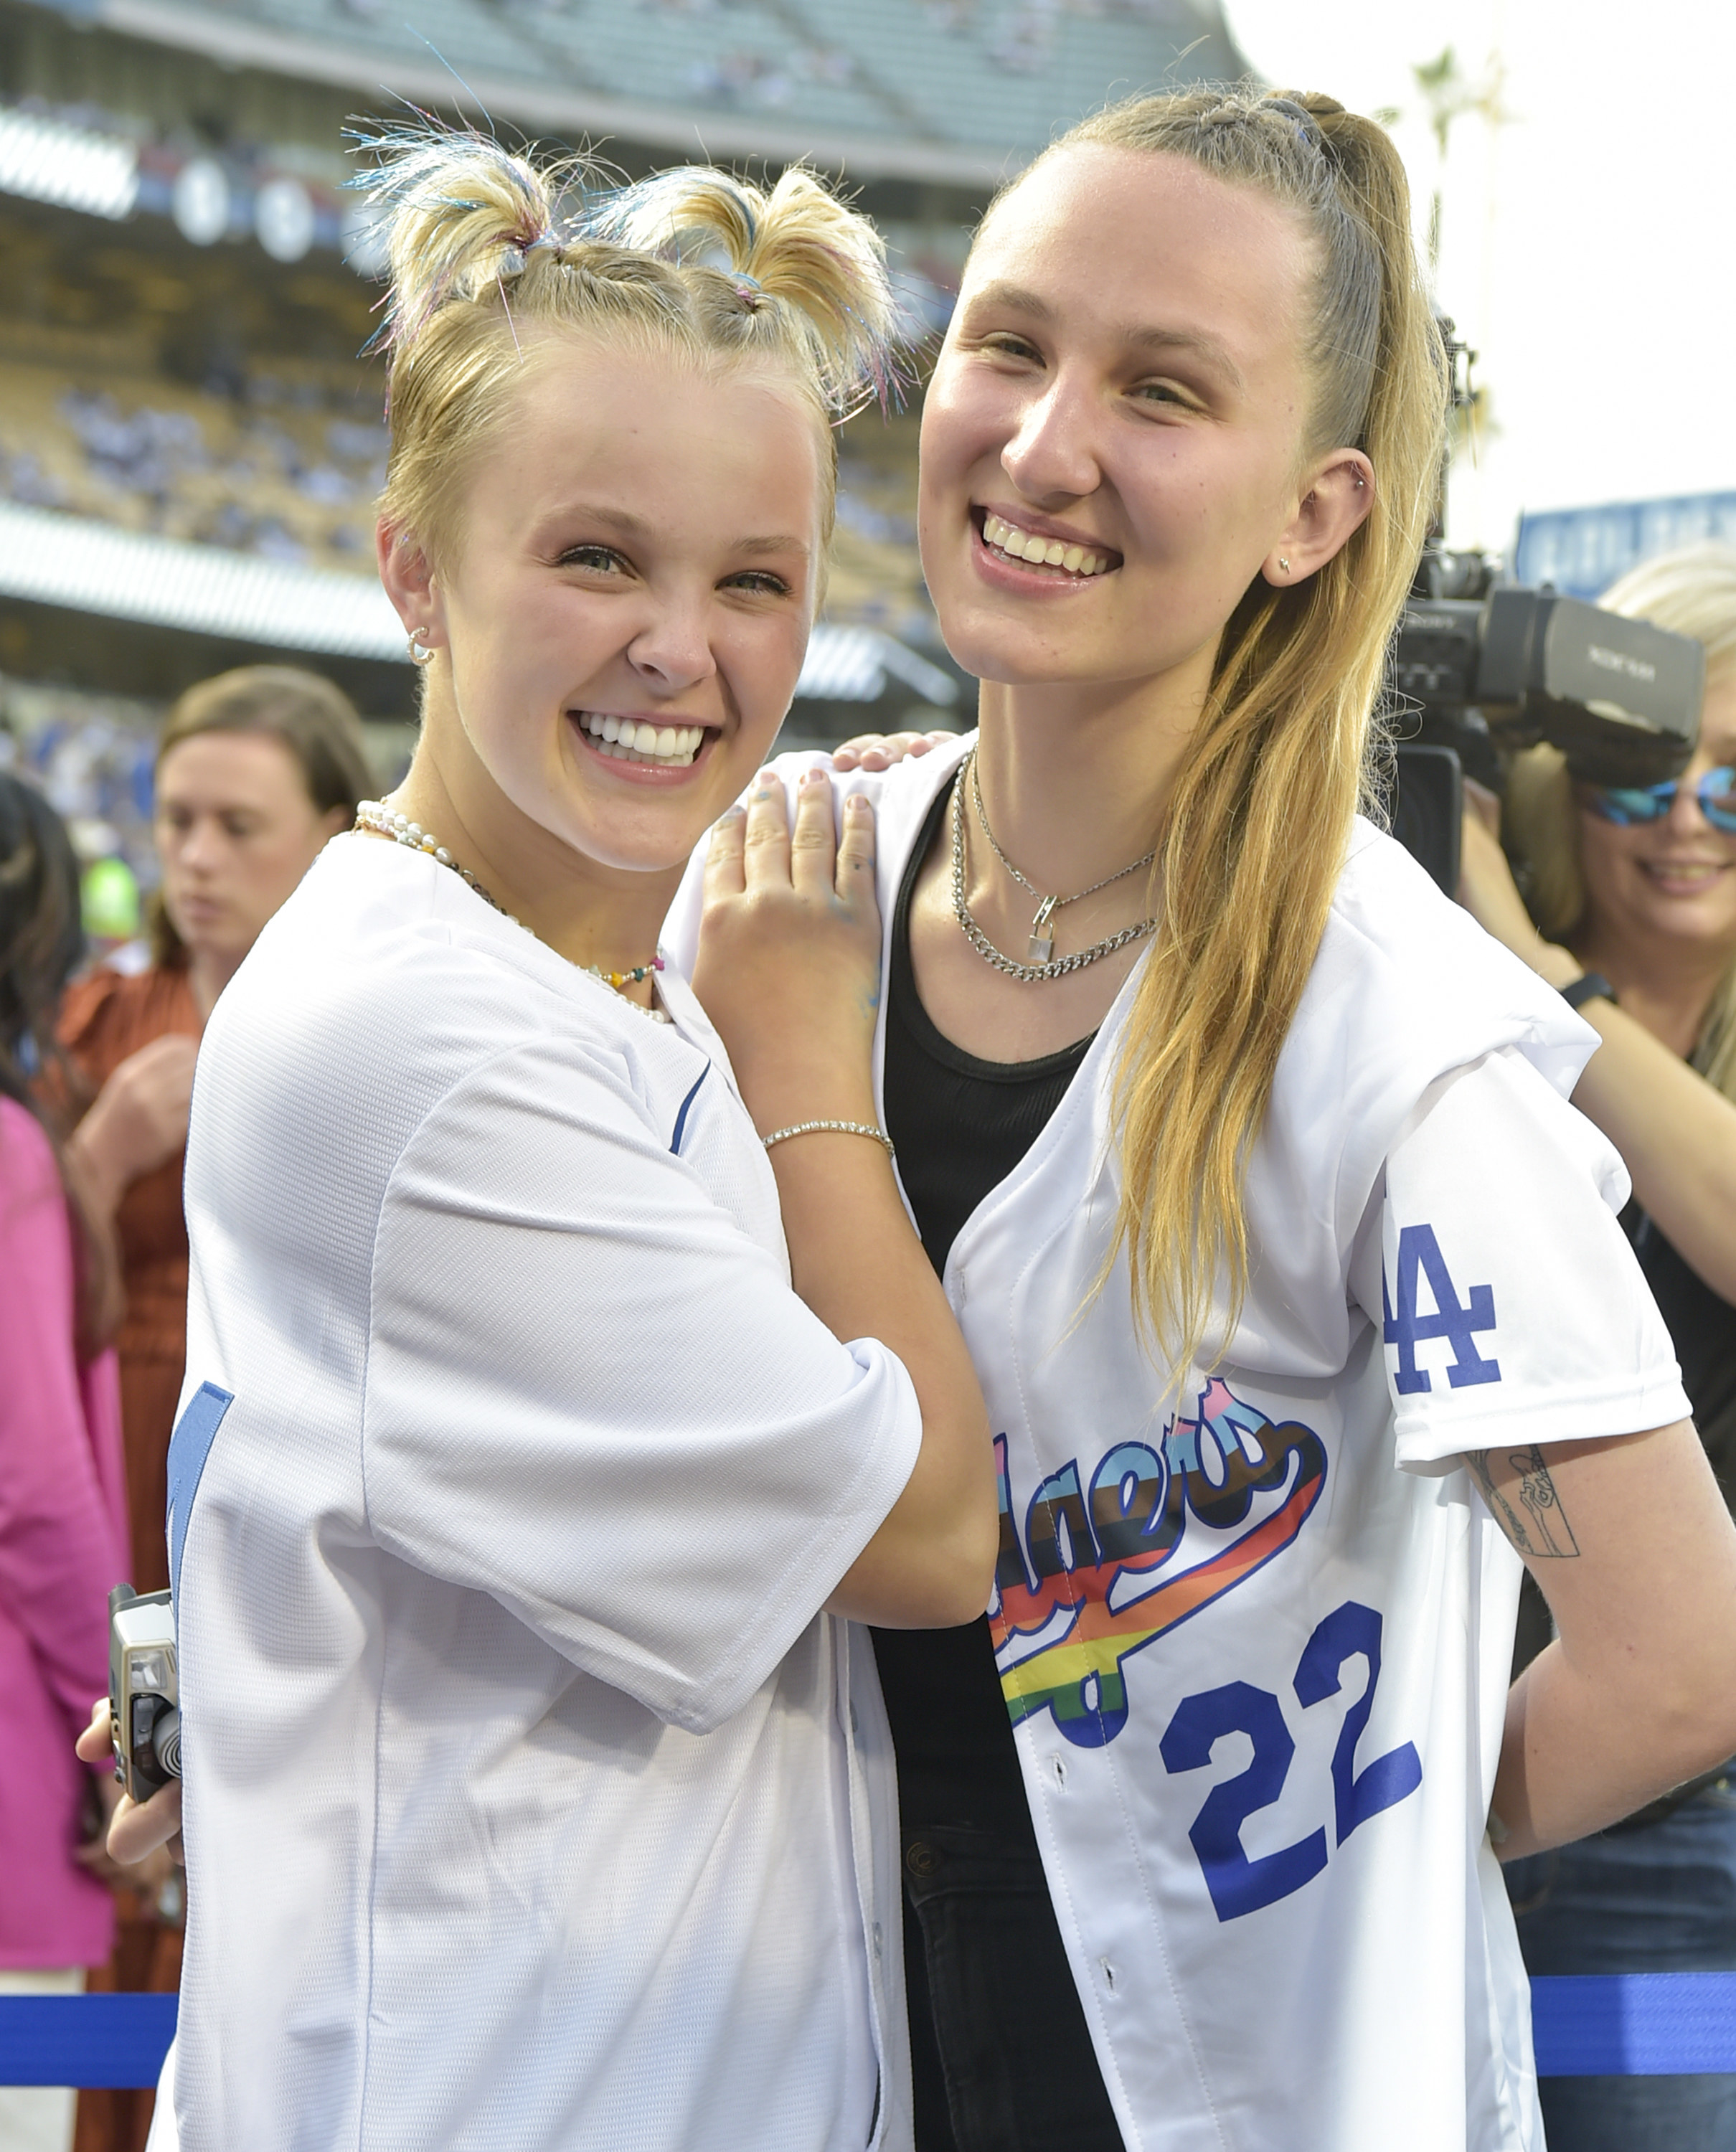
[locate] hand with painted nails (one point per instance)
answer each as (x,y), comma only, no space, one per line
(790,949)
(789,967)
(874,751)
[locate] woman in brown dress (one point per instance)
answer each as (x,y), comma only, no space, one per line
(255,769)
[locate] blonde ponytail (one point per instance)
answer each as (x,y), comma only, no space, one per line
(1261,815)
(487,256)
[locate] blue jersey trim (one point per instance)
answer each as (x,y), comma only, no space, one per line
(681,1118)
(189,1446)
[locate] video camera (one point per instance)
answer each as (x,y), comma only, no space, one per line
(1481,669)
(1484,669)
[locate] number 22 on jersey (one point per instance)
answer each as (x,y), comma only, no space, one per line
(1240,1883)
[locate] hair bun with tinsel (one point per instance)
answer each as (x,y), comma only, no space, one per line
(799,244)
(463,212)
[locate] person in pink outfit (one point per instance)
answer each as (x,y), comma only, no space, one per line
(62,1504)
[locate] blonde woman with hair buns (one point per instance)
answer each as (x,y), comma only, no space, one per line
(537,1791)
(1293,1281)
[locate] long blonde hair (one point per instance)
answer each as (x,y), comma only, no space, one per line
(1259,819)
(488,248)
(1693,591)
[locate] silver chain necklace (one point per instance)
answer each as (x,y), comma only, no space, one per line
(1042,946)
(1044,964)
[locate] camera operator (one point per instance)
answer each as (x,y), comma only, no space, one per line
(1633,893)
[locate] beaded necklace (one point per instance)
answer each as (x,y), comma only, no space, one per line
(373,814)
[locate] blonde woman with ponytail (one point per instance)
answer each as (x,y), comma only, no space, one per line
(1293,1281)
(537,1795)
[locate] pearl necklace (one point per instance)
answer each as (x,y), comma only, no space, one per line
(373,814)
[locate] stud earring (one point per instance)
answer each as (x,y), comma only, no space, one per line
(419,654)
(1283,564)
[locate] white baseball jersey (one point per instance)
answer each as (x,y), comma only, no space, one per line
(1255,1637)
(531,1802)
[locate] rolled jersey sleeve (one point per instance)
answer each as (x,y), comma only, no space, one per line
(595,1396)
(1510,1305)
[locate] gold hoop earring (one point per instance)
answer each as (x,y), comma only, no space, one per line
(419,654)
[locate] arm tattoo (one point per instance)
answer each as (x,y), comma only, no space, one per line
(1538,1525)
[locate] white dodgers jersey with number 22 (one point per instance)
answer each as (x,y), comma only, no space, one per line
(1253,1629)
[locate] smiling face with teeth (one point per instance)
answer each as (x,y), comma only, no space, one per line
(1672,882)
(620,618)
(1113,440)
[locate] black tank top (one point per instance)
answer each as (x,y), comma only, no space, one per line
(1703,1329)
(961,1125)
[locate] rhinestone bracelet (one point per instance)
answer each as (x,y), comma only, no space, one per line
(832,1128)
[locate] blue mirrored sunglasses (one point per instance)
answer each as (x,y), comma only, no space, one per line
(1716,793)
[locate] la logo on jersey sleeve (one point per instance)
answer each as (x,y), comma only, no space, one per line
(1406,1322)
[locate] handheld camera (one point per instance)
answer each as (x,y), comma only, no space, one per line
(1500,668)
(144,1697)
(1485,668)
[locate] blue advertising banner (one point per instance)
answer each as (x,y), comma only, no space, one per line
(1582,550)
(1657,2024)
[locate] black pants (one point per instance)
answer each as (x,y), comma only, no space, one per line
(1002,2059)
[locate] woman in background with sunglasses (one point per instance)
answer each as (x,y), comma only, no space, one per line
(1632,910)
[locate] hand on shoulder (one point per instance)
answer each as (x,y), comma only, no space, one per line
(787,966)
(874,751)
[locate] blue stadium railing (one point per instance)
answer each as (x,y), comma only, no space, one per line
(84,2040)
(1641,2024)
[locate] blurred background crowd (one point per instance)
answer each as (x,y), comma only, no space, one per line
(199,677)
